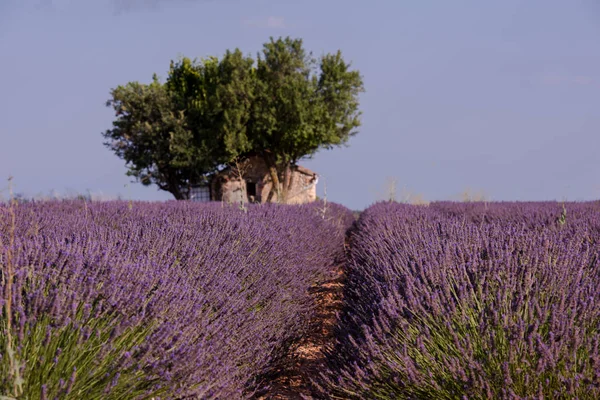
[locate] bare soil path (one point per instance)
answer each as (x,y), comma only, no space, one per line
(307,359)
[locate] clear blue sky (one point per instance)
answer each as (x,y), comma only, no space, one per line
(498,96)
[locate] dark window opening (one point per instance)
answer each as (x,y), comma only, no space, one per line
(251,191)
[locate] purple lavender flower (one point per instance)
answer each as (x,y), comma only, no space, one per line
(470,300)
(167,300)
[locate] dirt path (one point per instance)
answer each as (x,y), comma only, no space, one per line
(308,359)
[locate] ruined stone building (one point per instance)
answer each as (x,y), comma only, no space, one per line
(256,184)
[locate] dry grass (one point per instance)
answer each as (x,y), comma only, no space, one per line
(408,196)
(469,195)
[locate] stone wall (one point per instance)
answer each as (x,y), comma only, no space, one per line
(227,186)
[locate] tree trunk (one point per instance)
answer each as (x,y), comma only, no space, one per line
(176,191)
(274,174)
(178,195)
(287,183)
(275,185)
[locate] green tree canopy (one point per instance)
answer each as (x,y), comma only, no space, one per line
(282,107)
(148,133)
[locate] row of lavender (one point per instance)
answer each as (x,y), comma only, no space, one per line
(174,300)
(470,301)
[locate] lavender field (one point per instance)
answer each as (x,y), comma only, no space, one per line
(470,301)
(173,300)
(117,300)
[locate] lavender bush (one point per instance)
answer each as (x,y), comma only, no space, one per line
(175,300)
(470,301)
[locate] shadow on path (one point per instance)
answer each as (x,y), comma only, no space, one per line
(307,359)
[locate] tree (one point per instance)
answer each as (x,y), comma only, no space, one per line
(283,107)
(179,133)
(301,107)
(216,96)
(149,133)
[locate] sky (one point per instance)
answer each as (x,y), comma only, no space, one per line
(496,97)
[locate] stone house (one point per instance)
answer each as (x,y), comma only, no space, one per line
(255,186)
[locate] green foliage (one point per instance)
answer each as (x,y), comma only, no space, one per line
(500,367)
(302,105)
(216,96)
(149,133)
(283,107)
(80,359)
